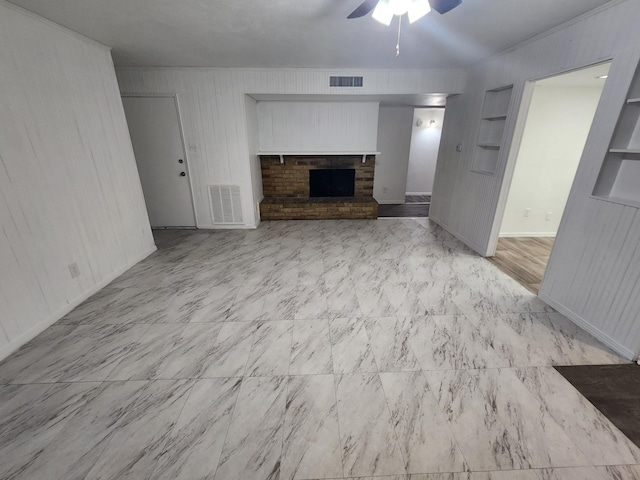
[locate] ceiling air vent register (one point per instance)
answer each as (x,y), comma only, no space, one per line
(345,81)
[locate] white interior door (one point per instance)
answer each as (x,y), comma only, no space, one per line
(155,131)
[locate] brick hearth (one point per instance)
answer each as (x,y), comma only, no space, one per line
(286,188)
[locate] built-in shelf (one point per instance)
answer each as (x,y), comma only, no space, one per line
(281,154)
(629,151)
(620,201)
(619,178)
(491,132)
(482,172)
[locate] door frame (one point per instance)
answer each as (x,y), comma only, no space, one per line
(187,160)
(514,151)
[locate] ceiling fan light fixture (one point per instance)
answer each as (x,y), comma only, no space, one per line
(418,9)
(383,12)
(400,7)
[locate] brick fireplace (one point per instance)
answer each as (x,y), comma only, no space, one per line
(287,189)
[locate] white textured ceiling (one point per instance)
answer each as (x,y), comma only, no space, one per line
(301,33)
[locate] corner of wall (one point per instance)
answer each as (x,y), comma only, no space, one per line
(24,337)
(585,325)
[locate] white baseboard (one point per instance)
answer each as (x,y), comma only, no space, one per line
(582,323)
(418,193)
(391,202)
(464,240)
(17,342)
(528,234)
(227,227)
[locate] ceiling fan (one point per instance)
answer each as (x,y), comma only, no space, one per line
(385,10)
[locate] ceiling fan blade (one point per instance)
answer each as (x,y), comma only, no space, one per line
(444,6)
(364,8)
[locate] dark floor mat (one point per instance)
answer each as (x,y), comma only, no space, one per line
(614,390)
(417,199)
(406,210)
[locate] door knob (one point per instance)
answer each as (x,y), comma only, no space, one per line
(182,174)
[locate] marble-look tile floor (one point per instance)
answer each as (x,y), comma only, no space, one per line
(308,350)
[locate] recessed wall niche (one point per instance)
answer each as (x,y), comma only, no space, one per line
(494,118)
(619,179)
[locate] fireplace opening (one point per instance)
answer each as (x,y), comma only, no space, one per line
(337,182)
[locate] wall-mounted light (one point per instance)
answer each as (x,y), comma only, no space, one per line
(430,124)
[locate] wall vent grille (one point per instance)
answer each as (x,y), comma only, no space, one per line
(226,204)
(346,81)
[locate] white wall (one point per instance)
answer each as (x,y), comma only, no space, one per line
(69,188)
(394,142)
(214,114)
(558,123)
(592,276)
(318,126)
(423,156)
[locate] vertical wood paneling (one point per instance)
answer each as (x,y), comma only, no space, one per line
(592,275)
(69,188)
(214,114)
(318,126)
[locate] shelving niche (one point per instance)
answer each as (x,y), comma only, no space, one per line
(492,125)
(619,179)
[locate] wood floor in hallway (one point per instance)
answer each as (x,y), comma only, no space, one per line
(524,259)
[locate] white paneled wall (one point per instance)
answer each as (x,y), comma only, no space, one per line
(214,112)
(594,272)
(318,126)
(69,188)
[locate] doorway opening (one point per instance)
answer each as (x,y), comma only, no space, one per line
(557,123)
(158,145)
(422,142)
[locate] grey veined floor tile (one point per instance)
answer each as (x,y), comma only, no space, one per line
(363,350)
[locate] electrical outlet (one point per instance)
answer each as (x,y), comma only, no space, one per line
(527,211)
(384,189)
(549,214)
(74,270)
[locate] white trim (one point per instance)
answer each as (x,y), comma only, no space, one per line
(418,193)
(30,334)
(229,226)
(57,26)
(185,150)
(391,202)
(528,234)
(187,160)
(514,144)
(597,333)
